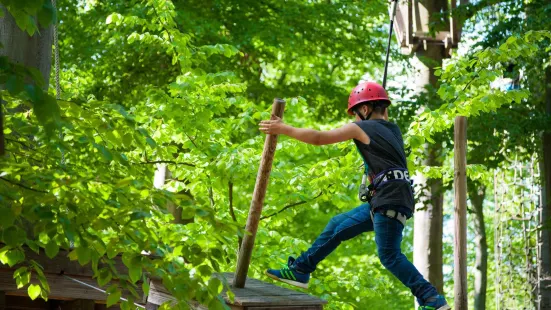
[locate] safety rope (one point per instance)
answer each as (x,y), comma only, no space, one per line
(99,289)
(57,67)
(392,15)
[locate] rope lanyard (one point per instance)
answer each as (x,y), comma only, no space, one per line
(57,83)
(393,14)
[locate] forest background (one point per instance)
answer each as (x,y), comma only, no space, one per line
(181,86)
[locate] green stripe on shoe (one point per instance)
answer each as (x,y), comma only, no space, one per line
(292,275)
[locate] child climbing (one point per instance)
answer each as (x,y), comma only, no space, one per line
(390,200)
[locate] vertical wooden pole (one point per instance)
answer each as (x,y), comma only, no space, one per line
(460,240)
(259,193)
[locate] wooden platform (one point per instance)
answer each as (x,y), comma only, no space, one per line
(256,295)
(65,292)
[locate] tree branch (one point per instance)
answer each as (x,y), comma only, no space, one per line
(230,190)
(166,162)
(211,198)
(232,213)
(291,205)
(23,186)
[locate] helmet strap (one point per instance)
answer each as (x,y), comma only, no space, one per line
(360,115)
(357,111)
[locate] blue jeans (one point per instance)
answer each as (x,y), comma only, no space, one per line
(388,236)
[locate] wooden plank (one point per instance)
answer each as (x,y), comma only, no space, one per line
(291,300)
(104,307)
(255,210)
(61,264)
(256,294)
(400,25)
(78,304)
(158,293)
(151,306)
(286,308)
(60,287)
(20,302)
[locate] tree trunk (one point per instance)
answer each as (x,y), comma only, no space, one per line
(19,47)
(545,219)
(476,194)
(161,175)
(428,219)
(428,226)
(35,51)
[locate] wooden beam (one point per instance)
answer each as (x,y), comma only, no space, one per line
(158,294)
(78,304)
(454,31)
(460,214)
(259,193)
(60,287)
(61,264)
(24,302)
(409,23)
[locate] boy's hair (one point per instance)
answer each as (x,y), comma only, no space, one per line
(379,106)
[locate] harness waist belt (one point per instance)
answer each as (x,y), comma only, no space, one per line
(394,174)
(393,214)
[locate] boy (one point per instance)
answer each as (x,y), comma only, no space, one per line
(390,197)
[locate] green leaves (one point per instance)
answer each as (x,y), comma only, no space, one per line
(46,15)
(466,91)
(113,18)
(14,236)
(34,291)
(114,296)
(22,276)
(104,276)
(83,254)
(26,11)
(52,248)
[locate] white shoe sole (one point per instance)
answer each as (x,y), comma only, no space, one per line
(294,283)
(446,307)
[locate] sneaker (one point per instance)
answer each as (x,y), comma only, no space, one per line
(437,302)
(289,275)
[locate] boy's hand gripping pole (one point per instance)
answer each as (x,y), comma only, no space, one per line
(259,193)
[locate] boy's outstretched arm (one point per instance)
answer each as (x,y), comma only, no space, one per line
(315,137)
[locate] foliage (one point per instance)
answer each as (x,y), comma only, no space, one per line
(185,84)
(466,91)
(30,15)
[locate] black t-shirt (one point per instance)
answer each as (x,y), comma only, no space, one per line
(386,151)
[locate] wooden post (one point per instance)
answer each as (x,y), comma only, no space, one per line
(460,240)
(259,193)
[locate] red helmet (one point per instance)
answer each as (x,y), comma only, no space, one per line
(364,92)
